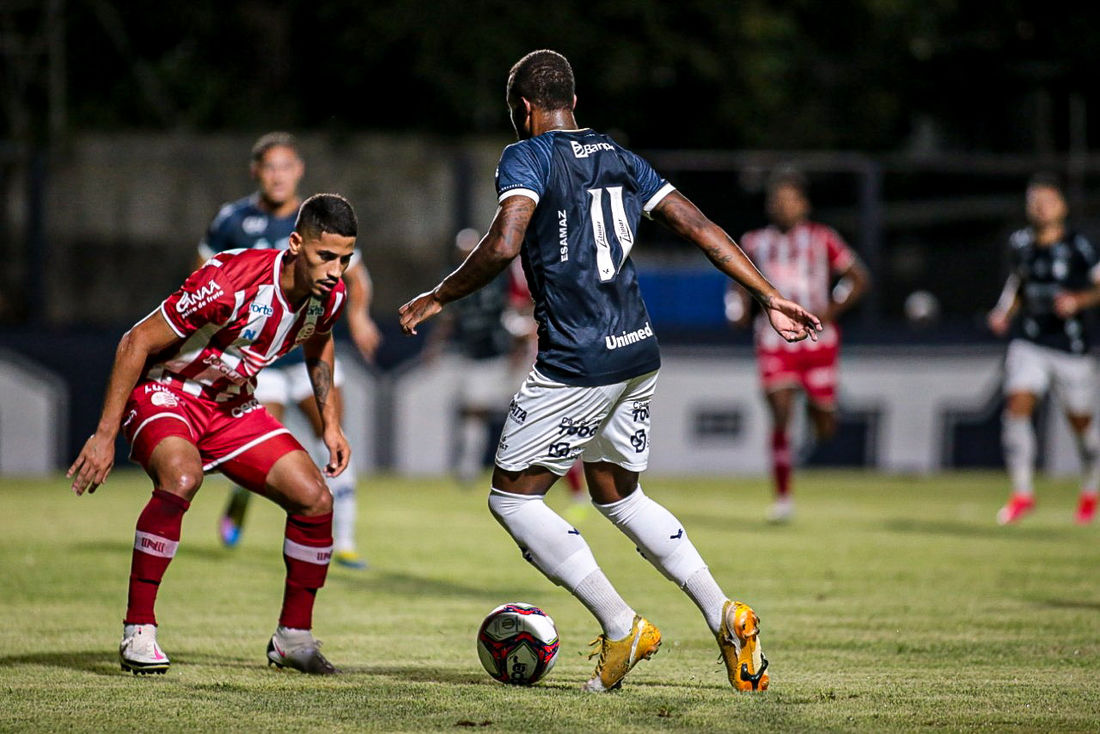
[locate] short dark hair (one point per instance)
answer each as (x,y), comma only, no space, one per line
(788,176)
(543,78)
(1047,180)
(273,140)
(326,214)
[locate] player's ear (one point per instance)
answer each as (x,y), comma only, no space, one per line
(295,243)
(574,103)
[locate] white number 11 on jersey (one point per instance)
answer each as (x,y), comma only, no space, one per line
(605,265)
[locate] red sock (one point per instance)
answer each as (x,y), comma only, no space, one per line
(781,463)
(155,541)
(306,551)
(573,477)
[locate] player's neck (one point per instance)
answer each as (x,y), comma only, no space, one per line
(282,209)
(1048,234)
(292,294)
(543,121)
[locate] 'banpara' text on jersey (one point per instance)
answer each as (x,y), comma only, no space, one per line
(233,321)
(1070,264)
(589,193)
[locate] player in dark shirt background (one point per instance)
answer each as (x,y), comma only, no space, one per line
(1055,277)
(569,204)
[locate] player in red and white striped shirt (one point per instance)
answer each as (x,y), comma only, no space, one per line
(802,259)
(181,390)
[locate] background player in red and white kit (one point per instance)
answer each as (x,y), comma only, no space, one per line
(265,219)
(803,259)
(181,390)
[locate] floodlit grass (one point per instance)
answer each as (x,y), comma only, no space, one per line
(891,603)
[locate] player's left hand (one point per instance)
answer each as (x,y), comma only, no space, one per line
(418,310)
(1066,304)
(366,336)
(791,321)
(339,452)
(93,464)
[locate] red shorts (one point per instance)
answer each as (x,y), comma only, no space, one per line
(238,438)
(811,366)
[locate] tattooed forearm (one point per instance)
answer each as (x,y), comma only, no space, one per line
(320,374)
(499,247)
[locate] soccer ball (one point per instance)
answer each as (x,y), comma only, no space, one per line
(517,643)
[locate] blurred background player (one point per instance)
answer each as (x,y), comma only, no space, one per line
(181,390)
(809,263)
(570,200)
(1054,277)
(262,220)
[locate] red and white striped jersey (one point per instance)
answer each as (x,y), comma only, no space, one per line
(801,264)
(234,321)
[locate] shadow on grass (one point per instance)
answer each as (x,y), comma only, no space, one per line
(1069,604)
(100,662)
(959,529)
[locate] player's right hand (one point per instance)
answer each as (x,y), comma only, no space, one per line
(94,463)
(418,310)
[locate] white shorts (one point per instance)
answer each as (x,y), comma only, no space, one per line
(1034,369)
(550,424)
(289,385)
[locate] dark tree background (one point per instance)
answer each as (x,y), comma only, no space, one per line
(872,75)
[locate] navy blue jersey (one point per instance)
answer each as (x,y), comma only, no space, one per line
(1070,264)
(242,224)
(589,193)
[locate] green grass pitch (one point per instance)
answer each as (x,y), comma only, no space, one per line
(890,604)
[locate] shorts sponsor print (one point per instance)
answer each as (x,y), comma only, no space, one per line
(551,424)
(238,438)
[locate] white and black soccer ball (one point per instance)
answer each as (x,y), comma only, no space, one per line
(517,643)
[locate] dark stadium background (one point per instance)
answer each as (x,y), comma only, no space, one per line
(918,124)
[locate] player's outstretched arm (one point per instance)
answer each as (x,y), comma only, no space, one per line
(149,336)
(364,332)
(320,354)
(1000,318)
(497,248)
(790,320)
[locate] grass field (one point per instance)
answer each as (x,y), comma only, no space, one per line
(891,603)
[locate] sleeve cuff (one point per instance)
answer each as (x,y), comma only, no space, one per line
(171,323)
(519,192)
(658,197)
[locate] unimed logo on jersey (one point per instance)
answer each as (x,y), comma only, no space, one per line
(613,341)
(190,302)
(583,151)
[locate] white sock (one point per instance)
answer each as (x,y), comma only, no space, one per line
(662,541)
(344,503)
(473,435)
(557,549)
(1018,440)
(1088,448)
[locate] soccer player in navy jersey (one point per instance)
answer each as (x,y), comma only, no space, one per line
(265,219)
(181,390)
(1055,278)
(569,203)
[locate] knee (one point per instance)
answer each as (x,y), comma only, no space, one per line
(181,481)
(315,498)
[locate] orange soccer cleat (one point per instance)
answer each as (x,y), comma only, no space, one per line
(617,657)
(739,641)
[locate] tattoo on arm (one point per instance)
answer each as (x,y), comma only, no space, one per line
(320,374)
